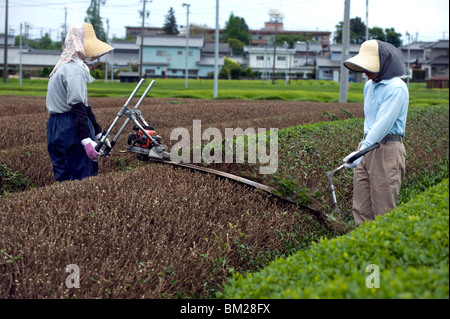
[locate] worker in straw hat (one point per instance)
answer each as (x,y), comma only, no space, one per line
(378,174)
(72,129)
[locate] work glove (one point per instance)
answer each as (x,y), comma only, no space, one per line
(89,148)
(355,162)
(106,145)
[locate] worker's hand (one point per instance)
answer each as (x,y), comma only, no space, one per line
(106,147)
(355,162)
(89,148)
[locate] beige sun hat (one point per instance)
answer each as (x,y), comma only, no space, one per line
(93,47)
(368,58)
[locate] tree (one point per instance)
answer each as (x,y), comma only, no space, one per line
(358,33)
(94,19)
(377,33)
(45,42)
(393,37)
(170,25)
(291,39)
(236,45)
(236,28)
(230,70)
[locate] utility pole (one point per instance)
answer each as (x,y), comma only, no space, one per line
(99,19)
(5,58)
(141,51)
(107,56)
(367,20)
(344,54)
(20,56)
(187,45)
(276,15)
(63,40)
(367,30)
(409,57)
(216,53)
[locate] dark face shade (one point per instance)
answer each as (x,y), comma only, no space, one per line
(391,62)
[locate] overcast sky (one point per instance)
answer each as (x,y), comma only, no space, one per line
(426,19)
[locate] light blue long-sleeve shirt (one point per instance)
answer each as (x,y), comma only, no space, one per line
(385,109)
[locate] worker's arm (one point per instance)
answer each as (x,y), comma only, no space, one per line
(388,113)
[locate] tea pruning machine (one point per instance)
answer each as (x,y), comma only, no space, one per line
(147,146)
(143,141)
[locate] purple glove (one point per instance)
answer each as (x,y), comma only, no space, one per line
(89,148)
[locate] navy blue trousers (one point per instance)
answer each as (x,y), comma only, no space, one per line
(66,152)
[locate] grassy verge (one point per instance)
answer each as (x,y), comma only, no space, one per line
(303,90)
(408,246)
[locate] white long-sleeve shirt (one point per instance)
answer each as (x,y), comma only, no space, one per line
(66,87)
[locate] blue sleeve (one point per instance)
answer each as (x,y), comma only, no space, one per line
(387,115)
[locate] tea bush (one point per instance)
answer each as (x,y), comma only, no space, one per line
(410,245)
(306,152)
(11,181)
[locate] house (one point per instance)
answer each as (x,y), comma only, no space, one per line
(207,58)
(11,40)
(416,53)
(134,32)
(436,60)
(265,36)
(329,63)
(124,55)
(165,56)
(260,37)
(32,59)
(261,59)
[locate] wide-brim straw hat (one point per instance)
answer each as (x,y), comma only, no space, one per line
(93,47)
(368,58)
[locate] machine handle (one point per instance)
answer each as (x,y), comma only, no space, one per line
(99,146)
(363,152)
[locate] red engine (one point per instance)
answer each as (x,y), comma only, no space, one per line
(140,139)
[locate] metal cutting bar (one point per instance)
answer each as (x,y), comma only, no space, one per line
(241,180)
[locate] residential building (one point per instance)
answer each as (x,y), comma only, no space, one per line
(165,56)
(124,55)
(436,58)
(134,32)
(329,63)
(260,37)
(261,59)
(11,40)
(416,52)
(32,59)
(265,36)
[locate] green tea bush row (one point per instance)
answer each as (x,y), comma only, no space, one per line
(307,152)
(409,246)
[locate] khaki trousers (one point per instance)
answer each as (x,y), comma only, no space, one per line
(377,181)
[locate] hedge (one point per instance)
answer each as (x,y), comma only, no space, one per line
(410,245)
(306,152)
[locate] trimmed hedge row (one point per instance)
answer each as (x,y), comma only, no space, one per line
(306,152)
(410,245)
